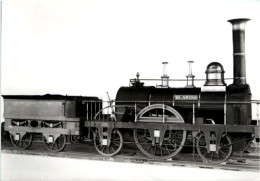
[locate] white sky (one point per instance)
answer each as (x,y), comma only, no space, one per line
(85,47)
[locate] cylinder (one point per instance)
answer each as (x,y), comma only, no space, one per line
(239,67)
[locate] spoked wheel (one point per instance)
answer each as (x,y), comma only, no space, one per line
(172,143)
(223,154)
(115,144)
(23,143)
(56,146)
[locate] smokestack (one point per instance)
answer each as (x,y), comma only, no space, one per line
(239,67)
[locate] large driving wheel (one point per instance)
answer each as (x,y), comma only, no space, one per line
(172,143)
(223,154)
(23,143)
(56,146)
(173,140)
(115,144)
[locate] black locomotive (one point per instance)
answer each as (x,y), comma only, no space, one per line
(216,118)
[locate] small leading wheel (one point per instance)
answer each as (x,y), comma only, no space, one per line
(56,146)
(23,143)
(223,154)
(172,144)
(115,144)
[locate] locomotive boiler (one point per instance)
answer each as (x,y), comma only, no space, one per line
(216,118)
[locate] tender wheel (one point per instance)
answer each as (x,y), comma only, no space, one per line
(172,143)
(56,146)
(24,143)
(114,147)
(224,153)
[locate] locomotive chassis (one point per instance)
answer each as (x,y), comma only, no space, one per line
(162,127)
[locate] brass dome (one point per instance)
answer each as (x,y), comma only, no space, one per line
(215,67)
(215,75)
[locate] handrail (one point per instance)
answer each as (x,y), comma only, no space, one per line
(133,80)
(180,101)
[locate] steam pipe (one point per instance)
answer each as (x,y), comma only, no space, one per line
(165,77)
(239,67)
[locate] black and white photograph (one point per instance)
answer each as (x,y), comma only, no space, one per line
(122,90)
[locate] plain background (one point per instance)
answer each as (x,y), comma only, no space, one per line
(91,47)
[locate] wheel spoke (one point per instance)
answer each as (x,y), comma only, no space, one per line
(142,137)
(205,153)
(170,143)
(167,149)
(223,153)
(145,142)
(113,148)
(149,148)
(103,148)
(116,144)
(52,146)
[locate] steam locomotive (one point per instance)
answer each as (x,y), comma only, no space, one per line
(216,117)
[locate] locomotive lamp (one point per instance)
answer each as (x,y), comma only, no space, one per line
(165,77)
(190,77)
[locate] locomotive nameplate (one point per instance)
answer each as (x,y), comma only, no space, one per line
(186,97)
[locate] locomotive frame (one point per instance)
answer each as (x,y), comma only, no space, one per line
(104,128)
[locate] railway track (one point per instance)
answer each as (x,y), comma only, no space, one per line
(249,162)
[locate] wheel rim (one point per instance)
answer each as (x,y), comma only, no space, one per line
(56,146)
(224,153)
(172,143)
(115,144)
(24,143)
